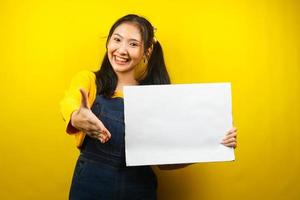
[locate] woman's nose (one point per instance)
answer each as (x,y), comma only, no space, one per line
(122,49)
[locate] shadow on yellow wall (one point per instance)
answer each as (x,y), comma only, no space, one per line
(252,44)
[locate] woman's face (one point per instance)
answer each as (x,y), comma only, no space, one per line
(125,48)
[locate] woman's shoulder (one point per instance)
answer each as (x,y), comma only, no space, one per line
(86,74)
(84,77)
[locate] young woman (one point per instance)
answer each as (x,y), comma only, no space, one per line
(133,57)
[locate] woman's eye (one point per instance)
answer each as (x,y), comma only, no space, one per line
(133,44)
(117,39)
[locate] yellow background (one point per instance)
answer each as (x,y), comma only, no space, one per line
(252,44)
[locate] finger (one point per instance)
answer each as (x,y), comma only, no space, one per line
(232,144)
(99,132)
(101,138)
(103,134)
(232,130)
(104,137)
(97,135)
(96,125)
(93,134)
(103,129)
(232,135)
(84,98)
(228,137)
(228,141)
(107,133)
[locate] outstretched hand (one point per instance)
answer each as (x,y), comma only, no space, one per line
(85,120)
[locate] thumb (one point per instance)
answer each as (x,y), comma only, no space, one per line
(84,99)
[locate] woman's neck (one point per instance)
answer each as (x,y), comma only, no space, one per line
(124,80)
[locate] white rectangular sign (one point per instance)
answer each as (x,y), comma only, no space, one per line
(181,123)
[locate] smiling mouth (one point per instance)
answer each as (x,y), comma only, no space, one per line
(121,60)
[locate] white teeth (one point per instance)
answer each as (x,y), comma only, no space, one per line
(121,59)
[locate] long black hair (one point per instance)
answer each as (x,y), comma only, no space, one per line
(156,73)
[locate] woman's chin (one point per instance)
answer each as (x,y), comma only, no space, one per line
(123,68)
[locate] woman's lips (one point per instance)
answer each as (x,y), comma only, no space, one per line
(120,60)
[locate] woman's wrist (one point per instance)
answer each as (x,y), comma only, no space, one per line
(72,118)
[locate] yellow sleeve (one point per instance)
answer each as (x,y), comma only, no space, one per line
(72,100)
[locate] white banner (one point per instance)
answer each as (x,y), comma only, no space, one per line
(181,123)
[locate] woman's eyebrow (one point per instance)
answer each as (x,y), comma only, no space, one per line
(129,39)
(118,35)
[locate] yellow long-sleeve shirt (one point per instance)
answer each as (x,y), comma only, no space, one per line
(72,100)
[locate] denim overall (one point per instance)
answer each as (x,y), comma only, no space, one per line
(100,172)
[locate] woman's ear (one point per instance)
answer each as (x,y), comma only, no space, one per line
(149,52)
